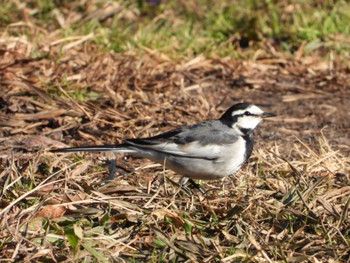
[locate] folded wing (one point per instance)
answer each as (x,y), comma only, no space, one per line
(202,140)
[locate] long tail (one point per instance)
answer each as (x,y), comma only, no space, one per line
(99,148)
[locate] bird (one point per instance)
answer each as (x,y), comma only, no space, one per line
(207,150)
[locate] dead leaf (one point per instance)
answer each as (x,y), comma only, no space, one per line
(51,211)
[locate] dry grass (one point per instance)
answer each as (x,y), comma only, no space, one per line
(61,207)
(271,210)
(290,203)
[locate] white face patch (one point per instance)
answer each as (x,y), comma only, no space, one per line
(248,121)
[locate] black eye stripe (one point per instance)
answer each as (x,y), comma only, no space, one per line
(247,113)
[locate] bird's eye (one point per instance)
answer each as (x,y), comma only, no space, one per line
(247,113)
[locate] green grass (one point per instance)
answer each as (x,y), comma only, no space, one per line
(213,28)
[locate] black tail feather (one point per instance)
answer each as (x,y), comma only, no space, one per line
(98,148)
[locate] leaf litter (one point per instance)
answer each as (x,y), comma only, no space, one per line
(289,203)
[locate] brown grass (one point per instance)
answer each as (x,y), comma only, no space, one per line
(289,204)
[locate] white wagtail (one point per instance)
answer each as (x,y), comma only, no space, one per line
(207,150)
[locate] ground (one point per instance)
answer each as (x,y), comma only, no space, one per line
(289,203)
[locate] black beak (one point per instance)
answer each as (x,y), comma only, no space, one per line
(268,115)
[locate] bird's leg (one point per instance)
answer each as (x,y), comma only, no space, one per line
(197,186)
(184,180)
(112,169)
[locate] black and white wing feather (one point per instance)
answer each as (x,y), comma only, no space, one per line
(203,140)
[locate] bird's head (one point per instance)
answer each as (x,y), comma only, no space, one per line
(244,116)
